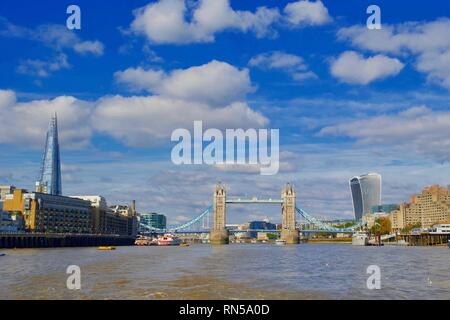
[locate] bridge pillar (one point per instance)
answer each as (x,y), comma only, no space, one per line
(289,233)
(219,234)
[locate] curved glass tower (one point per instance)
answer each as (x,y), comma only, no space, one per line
(366,193)
(50,173)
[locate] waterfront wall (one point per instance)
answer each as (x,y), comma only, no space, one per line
(41,240)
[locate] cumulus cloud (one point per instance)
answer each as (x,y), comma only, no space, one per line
(417,129)
(352,67)
(165,21)
(25,123)
(216,83)
(214,93)
(153,118)
(427,42)
(291,64)
(307,13)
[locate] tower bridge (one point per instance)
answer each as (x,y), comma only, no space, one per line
(219,234)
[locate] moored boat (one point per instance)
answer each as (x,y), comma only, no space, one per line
(106,248)
(169,240)
(360,238)
(280,242)
(144,241)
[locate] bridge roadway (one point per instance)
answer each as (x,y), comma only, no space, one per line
(252,230)
(253,200)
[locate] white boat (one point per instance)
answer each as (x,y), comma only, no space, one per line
(440,229)
(169,240)
(360,238)
(280,242)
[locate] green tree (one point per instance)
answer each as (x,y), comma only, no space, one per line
(409,227)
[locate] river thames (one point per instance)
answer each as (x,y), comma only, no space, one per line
(238,271)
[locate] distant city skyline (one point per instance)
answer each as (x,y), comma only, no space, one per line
(347,100)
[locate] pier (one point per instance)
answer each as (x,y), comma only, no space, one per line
(52,240)
(425,239)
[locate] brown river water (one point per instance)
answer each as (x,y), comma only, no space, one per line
(237,271)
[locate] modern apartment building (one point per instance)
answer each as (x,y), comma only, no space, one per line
(50,213)
(430,207)
(366,193)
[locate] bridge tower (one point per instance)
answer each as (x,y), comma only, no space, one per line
(219,234)
(289,233)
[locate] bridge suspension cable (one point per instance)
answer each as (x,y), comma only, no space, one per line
(179,227)
(325,226)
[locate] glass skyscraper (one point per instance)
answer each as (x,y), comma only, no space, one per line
(366,193)
(154,220)
(50,172)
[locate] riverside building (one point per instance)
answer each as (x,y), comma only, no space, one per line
(430,207)
(154,220)
(50,213)
(105,220)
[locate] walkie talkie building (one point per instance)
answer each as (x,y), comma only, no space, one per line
(366,193)
(50,172)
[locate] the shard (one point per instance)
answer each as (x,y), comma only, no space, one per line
(50,173)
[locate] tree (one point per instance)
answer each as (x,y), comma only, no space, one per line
(409,227)
(382,225)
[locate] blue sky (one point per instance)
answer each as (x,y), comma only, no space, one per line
(347,100)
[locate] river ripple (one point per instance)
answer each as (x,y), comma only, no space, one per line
(244,271)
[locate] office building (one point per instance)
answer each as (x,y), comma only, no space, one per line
(260,225)
(50,173)
(384,208)
(366,193)
(154,220)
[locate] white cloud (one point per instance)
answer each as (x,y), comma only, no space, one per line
(437,66)
(182,22)
(55,36)
(164,21)
(415,37)
(216,83)
(417,130)
(25,123)
(41,68)
(293,65)
(152,119)
(428,42)
(214,93)
(92,47)
(307,13)
(352,67)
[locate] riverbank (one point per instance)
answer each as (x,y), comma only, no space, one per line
(58,240)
